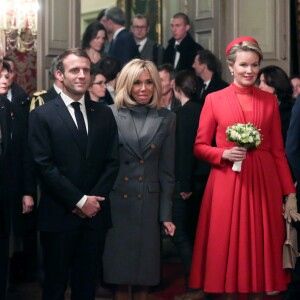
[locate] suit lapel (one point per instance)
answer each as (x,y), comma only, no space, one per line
(128,131)
(92,118)
(150,128)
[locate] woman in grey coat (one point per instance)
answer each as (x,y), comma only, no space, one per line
(142,196)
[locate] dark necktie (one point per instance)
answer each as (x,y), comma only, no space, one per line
(80,124)
(203,89)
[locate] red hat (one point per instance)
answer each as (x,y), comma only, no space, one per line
(239,40)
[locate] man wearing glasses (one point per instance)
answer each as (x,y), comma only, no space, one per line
(147,48)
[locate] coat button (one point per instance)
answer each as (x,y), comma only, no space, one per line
(125,196)
(152,146)
(139,196)
(126,178)
(142,161)
(140,178)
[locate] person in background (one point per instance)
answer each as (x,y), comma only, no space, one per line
(274,80)
(141,199)
(189,186)
(102,19)
(293,155)
(16,93)
(97,89)
(147,48)
(41,97)
(182,48)
(240,232)
(122,46)
(112,67)
(168,100)
(208,67)
(74,144)
(17,183)
(93,41)
(295,81)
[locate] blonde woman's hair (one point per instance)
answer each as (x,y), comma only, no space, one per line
(129,75)
(244,46)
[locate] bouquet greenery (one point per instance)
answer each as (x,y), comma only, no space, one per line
(243,135)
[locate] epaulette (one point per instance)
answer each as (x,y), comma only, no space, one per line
(37,100)
(38,93)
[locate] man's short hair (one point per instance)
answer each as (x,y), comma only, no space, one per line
(182,16)
(167,68)
(213,63)
(76,51)
(140,17)
(115,14)
(53,66)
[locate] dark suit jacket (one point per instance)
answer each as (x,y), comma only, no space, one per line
(188,49)
(215,84)
(18,94)
(65,173)
(123,47)
(152,51)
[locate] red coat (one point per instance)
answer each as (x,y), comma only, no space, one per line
(240,234)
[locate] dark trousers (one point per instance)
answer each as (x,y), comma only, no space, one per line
(75,254)
(4,259)
(185,218)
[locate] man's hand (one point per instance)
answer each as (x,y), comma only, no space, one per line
(79,212)
(169,228)
(28,204)
(92,206)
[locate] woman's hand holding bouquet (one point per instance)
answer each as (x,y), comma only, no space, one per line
(245,136)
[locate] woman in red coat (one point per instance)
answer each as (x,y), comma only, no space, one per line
(240,234)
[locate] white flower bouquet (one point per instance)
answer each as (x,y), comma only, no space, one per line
(243,135)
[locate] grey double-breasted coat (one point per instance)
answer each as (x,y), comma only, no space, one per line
(141,198)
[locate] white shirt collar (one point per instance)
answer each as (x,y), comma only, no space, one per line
(67,100)
(9,95)
(207,83)
(142,44)
(117,32)
(56,88)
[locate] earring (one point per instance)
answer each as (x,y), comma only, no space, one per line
(231,73)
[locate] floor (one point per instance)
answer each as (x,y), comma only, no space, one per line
(172,283)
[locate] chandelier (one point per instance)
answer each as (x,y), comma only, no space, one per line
(18,23)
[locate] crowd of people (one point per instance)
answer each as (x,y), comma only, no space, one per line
(129,144)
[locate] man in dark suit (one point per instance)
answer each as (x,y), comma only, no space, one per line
(208,67)
(147,48)
(16,93)
(122,45)
(181,49)
(293,155)
(74,143)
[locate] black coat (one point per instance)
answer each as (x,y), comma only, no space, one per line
(5,165)
(19,96)
(215,84)
(188,49)
(123,47)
